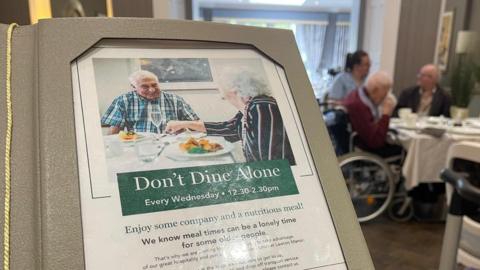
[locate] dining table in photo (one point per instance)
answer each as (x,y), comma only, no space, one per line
(150,151)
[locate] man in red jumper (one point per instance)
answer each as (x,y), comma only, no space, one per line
(369,109)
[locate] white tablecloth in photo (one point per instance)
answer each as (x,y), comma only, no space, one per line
(426,154)
(127,160)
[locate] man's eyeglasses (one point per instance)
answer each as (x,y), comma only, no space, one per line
(421,75)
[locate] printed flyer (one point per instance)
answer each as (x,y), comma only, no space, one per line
(196,159)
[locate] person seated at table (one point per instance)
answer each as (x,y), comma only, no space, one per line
(426,98)
(369,109)
(131,110)
(357,66)
(258,123)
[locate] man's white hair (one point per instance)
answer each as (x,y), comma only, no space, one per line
(245,82)
(140,74)
(436,71)
(379,79)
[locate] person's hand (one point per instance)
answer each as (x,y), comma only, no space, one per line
(175,126)
(388,106)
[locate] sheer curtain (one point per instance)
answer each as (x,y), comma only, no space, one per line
(319,50)
(311,42)
(341,44)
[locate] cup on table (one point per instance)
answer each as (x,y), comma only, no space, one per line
(146,149)
(114,148)
(411,120)
(403,113)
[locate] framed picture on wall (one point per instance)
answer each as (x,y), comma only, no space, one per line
(443,45)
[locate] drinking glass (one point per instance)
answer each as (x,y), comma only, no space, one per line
(146,149)
(157,117)
(114,148)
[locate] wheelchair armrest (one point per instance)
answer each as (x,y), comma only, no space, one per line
(351,141)
(392,136)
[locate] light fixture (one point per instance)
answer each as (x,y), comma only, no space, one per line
(279,2)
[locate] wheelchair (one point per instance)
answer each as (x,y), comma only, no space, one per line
(374,183)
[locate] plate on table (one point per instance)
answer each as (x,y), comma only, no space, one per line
(130,140)
(405,126)
(472,122)
(396,121)
(200,148)
(181,137)
(464,131)
(435,120)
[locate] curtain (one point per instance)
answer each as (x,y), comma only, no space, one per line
(311,42)
(341,44)
(319,50)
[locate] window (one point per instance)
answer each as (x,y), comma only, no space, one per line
(322,38)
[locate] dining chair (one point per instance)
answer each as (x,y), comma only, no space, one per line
(465,239)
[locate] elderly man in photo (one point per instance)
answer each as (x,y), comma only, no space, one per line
(131,110)
(426,98)
(369,109)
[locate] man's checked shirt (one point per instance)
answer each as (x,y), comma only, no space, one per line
(131,111)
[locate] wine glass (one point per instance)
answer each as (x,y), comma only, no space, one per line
(157,117)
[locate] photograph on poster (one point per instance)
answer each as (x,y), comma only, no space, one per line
(196,144)
(237,121)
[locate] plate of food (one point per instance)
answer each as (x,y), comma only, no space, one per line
(127,137)
(199,148)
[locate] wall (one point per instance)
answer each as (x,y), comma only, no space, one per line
(373,31)
(390,36)
(170,9)
(111,78)
(92,8)
(133,8)
(380,31)
(14,11)
(417,37)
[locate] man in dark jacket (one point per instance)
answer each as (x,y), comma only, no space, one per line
(426,98)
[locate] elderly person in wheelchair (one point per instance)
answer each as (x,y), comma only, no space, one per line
(369,109)
(370,162)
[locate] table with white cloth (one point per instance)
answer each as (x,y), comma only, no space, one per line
(426,154)
(122,156)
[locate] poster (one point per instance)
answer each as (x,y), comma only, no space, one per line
(205,170)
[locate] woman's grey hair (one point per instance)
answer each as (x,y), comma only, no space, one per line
(140,74)
(246,83)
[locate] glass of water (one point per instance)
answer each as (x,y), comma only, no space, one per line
(146,149)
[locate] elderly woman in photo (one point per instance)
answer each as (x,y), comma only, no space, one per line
(258,123)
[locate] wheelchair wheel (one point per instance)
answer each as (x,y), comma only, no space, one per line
(401,210)
(370,183)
